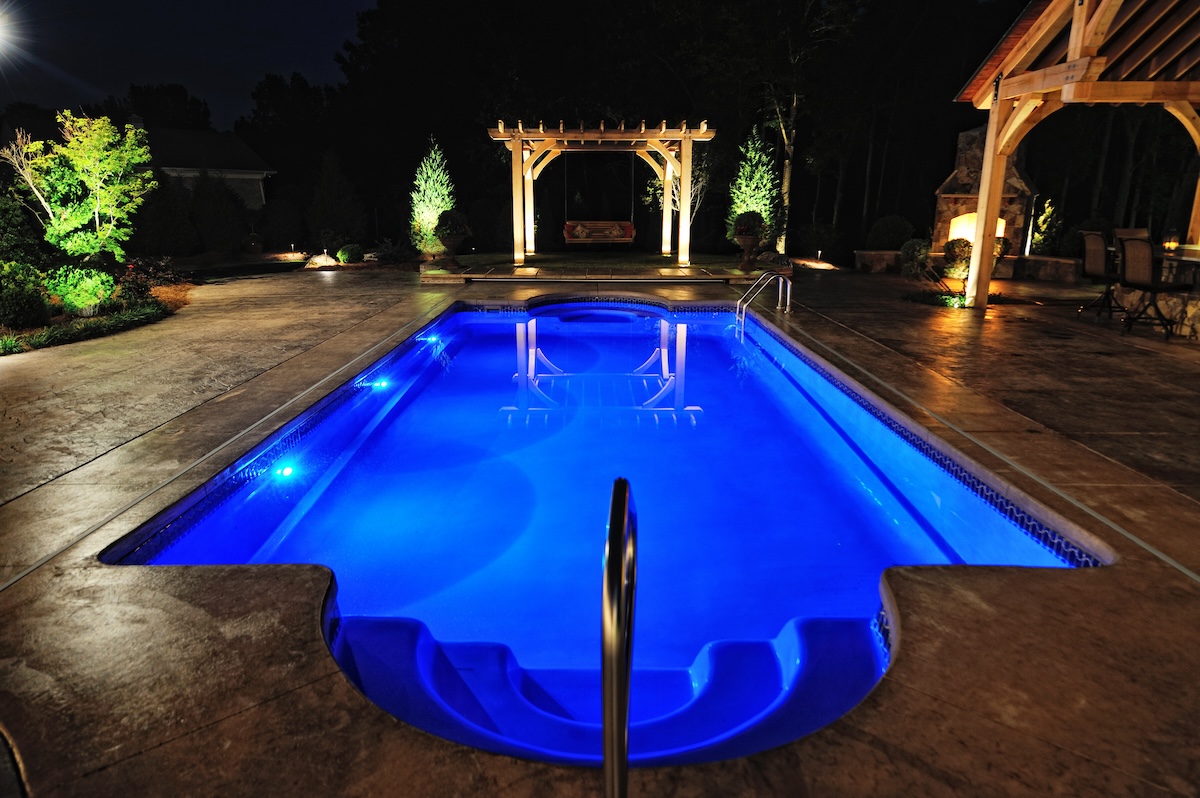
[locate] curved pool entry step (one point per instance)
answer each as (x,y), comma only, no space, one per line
(737,698)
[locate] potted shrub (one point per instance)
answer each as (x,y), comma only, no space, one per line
(451,230)
(747,232)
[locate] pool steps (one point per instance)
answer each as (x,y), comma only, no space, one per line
(738,696)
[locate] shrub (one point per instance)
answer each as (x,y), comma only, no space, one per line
(914,259)
(351,253)
(79,289)
(451,223)
(1003,247)
(11,345)
(748,223)
(958,258)
(394,251)
(22,303)
(888,232)
(957,251)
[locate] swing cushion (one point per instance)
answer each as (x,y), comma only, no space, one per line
(598,232)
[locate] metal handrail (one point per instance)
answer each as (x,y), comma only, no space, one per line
(764,280)
(620,587)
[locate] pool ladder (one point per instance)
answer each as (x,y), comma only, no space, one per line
(784,302)
(620,586)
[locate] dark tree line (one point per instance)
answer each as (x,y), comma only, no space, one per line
(855,96)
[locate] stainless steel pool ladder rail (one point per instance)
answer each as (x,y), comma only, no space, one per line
(620,587)
(765,279)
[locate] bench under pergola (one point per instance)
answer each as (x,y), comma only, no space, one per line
(668,151)
(1079,51)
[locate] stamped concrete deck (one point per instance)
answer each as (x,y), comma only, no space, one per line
(118,681)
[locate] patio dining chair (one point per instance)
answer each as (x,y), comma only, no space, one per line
(1100,265)
(1131,232)
(1140,272)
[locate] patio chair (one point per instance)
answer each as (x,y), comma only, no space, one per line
(1100,265)
(1131,232)
(1140,272)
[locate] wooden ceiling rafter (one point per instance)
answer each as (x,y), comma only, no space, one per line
(1137,52)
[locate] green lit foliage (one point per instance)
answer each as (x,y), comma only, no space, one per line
(958,257)
(1046,230)
(351,253)
(433,192)
(22,303)
(756,186)
(86,189)
(79,289)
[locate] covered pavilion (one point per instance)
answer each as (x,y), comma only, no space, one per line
(1079,51)
(668,151)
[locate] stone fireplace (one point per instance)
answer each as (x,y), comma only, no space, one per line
(958,196)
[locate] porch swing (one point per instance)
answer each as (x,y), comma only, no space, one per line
(590,231)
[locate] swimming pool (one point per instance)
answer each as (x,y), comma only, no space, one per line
(458,489)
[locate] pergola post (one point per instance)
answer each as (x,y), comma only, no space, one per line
(530,238)
(685,199)
(518,199)
(667,202)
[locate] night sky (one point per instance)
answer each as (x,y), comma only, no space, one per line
(63,53)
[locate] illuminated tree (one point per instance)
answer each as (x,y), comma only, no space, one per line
(432,193)
(85,190)
(756,186)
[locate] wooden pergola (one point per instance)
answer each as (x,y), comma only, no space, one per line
(534,148)
(1079,51)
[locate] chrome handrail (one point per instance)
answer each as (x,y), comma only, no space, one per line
(764,280)
(620,587)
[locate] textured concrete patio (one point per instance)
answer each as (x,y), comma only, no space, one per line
(118,681)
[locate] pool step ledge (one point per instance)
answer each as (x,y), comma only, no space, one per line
(477,693)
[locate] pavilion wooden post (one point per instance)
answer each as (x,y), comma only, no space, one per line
(991,188)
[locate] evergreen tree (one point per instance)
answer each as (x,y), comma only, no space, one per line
(756,185)
(433,192)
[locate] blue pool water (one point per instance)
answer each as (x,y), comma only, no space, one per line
(459,489)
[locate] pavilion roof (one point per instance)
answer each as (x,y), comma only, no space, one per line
(1103,50)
